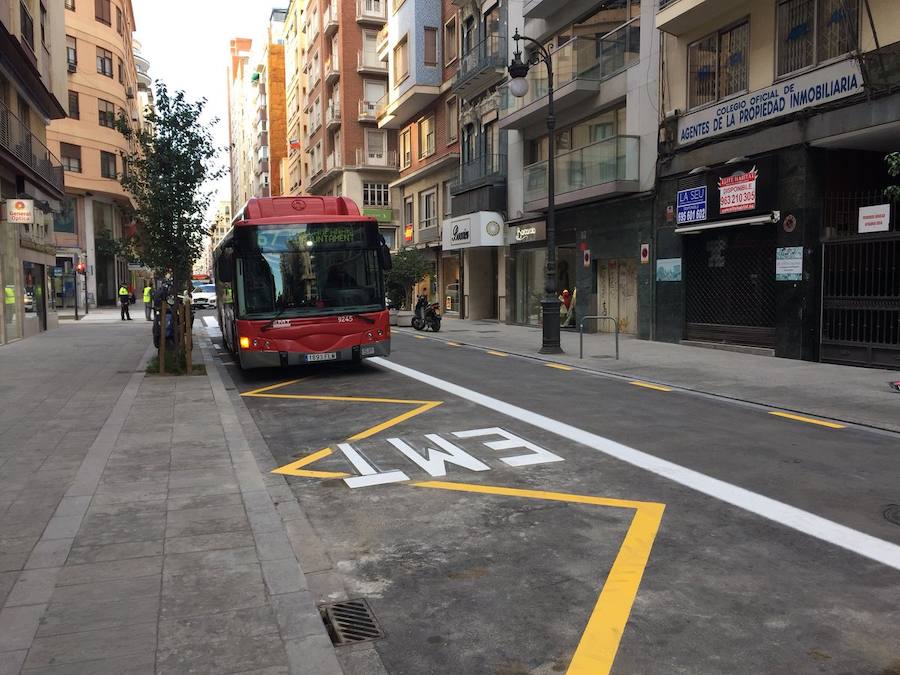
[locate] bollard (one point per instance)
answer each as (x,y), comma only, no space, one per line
(598,318)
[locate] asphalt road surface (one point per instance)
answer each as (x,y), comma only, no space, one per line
(505,516)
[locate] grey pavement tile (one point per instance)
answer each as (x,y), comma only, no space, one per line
(133,488)
(134,477)
(12,562)
(191,522)
(127,509)
(33,587)
(223,655)
(283,576)
(49,553)
(7,581)
(313,655)
(152,439)
(18,626)
(265,521)
(257,500)
(219,462)
(102,591)
(134,664)
(104,528)
(297,615)
(327,586)
(75,617)
(129,568)
(273,670)
(137,640)
(204,501)
(220,590)
(11,662)
(132,549)
(363,659)
(273,546)
(198,491)
(62,527)
(241,623)
(73,506)
(307,546)
(18,526)
(182,563)
(200,478)
(209,542)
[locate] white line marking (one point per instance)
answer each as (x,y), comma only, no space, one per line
(210,322)
(790,516)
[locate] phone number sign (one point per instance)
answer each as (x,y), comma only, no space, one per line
(691,205)
(738,192)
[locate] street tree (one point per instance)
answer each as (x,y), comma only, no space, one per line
(409,268)
(893,162)
(168,170)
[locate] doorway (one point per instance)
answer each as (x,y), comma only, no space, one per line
(617,293)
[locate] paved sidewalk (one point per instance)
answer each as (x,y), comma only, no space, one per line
(858,395)
(137,533)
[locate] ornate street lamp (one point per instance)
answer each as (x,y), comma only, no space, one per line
(518,87)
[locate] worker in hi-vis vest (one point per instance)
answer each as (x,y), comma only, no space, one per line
(148,301)
(124,301)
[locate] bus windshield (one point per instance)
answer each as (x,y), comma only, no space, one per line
(308,270)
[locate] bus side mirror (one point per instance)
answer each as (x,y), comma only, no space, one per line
(224,272)
(385,254)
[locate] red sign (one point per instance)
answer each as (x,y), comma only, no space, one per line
(645,254)
(408,233)
(738,192)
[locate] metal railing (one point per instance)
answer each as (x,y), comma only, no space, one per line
(596,318)
(479,168)
(371,9)
(489,53)
(17,139)
(370,61)
(386,159)
(368,110)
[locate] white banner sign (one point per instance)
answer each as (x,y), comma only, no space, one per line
(875,218)
(821,86)
(738,192)
(20,211)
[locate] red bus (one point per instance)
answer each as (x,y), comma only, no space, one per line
(301,280)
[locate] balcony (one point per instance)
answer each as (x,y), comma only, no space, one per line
(482,66)
(27,150)
(604,169)
(393,112)
(330,20)
(333,115)
(579,67)
(376,160)
(332,69)
(368,63)
(262,166)
(678,17)
(371,11)
(382,42)
(368,111)
(540,9)
(480,171)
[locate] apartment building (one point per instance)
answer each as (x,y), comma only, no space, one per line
(243,124)
(773,229)
(420,47)
(292,177)
(218,230)
(102,87)
(346,153)
(144,82)
(605,60)
(32,89)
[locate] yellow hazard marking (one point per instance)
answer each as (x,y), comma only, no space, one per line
(558,366)
(419,337)
(600,640)
(493,353)
(648,385)
(296,468)
(809,420)
(453,344)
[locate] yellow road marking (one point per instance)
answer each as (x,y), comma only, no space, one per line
(272,387)
(648,385)
(295,468)
(558,366)
(394,421)
(809,420)
(419,337)
(493,353)
(453,344)
(600,640)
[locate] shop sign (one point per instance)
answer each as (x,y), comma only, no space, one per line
(875,218)
(789,263)
(668,269)
(524,234)
(587,257)
(818,87)
(408,233)
(738,192)
(691,205)
(20,211)
(645,254)
(382,215)
(461,232)
(482,228)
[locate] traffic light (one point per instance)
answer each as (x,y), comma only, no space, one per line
(80,268)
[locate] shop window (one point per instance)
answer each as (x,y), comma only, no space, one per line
(70,156)
(812,31)
(107,164)
(718,65)
(428,209)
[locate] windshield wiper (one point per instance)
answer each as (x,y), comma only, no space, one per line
(271,323)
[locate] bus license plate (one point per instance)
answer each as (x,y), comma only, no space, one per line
(324,356)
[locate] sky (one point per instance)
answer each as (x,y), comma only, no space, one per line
(187,44)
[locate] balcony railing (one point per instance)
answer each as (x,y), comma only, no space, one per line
(332,68)
(665,3)
(333,114)
(333,161)
(487,55)
(383,160)
(330,20)
(481,168)
(368,111)
(17,139)
(607,161)
(371,10)
(381,42)
(368,61)
(582,59)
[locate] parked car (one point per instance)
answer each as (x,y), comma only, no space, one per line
(204,297)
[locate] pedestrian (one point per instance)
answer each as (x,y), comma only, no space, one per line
(124,302)
(148,301)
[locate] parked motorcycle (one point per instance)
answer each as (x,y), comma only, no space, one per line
(426,315)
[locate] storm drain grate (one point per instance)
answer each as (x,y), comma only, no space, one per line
(350,622)
(892,514)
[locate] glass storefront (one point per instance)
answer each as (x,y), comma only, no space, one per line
(33,276)
(530,264)
(450,283)
(9,275)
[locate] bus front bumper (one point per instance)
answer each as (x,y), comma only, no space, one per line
(270,359)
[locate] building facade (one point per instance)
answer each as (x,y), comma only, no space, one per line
(32,89)
(292,177)
(772,227)
(102,87)
(241,122)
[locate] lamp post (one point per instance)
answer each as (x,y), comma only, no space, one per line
(518,87)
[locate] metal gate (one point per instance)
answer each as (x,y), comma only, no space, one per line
(730,285)
(860,285)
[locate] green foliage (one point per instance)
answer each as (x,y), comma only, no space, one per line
(893,161)
(106,245)
(410,267)
(173,158)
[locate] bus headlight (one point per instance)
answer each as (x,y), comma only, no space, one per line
(370,336)
(245,343)
(380,333)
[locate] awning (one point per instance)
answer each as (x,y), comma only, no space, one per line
(763,219)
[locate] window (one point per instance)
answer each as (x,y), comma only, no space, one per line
(450,41)
(812,31)
(121,72)
(107,113)
(401,61)
(431,46)
(27,25)
(43,25)
(120,24)
(70,4)
(448,199)
(718,65)
(376,194)
(428,209)
(70,156)
(426,137)
(71,53)
(102,12)
(452,120)
(104,62)
(74,110)
(107,164)
(408,211)
(375,147)
(405,149)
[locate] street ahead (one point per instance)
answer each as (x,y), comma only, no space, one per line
(502,515)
